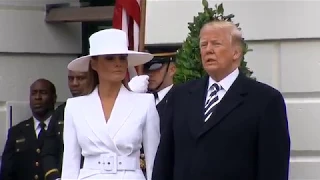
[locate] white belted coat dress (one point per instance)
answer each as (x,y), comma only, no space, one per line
(111,148)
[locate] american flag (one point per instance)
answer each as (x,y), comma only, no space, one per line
(127,18)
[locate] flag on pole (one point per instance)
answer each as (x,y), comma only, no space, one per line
(127,18)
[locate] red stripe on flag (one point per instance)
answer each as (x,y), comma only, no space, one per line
(117,23)
(117,16)
(132,9)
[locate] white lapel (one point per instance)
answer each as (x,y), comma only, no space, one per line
(106,130)
(122,109)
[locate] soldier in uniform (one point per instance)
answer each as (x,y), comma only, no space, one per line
(53,148)
(77,82)
(21,156)
(161,70)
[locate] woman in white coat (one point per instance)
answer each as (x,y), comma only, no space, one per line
(108,125)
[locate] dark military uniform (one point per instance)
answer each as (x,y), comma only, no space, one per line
(156,63)
(159,60)
(52,152)
(21,158)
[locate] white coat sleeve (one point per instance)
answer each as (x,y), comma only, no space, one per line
(151,135)
(72,151)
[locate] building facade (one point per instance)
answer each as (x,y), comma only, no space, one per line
(284,36)
(31,49)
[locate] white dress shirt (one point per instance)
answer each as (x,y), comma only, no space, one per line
(163,93)
(225,83)
(37,127)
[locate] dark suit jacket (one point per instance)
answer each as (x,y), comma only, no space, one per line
(52,150)
(246,138)
(21,158)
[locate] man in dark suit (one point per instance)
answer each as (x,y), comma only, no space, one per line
(21,156)
(224,126)
(52,152)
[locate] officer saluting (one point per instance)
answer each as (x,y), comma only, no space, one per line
(160,70)
(158,79)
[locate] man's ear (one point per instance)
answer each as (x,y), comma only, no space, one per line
(172,69)
(237,53)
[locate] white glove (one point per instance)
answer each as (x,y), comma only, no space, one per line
(139,84)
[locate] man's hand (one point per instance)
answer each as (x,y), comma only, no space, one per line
(139,84)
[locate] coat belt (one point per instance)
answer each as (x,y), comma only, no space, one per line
(111,163)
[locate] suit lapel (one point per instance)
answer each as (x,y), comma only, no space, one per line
(162,104)
(231,100)
(94,115)
(122,109)
(161,107)
(195,111)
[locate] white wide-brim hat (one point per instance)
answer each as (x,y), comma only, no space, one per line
(109,42)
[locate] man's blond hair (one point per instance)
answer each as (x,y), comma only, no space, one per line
(231,28)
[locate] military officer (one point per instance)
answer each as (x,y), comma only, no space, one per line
(21,158)
(160,70)
(53,148)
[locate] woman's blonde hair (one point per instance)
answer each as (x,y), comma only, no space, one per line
(94,80)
